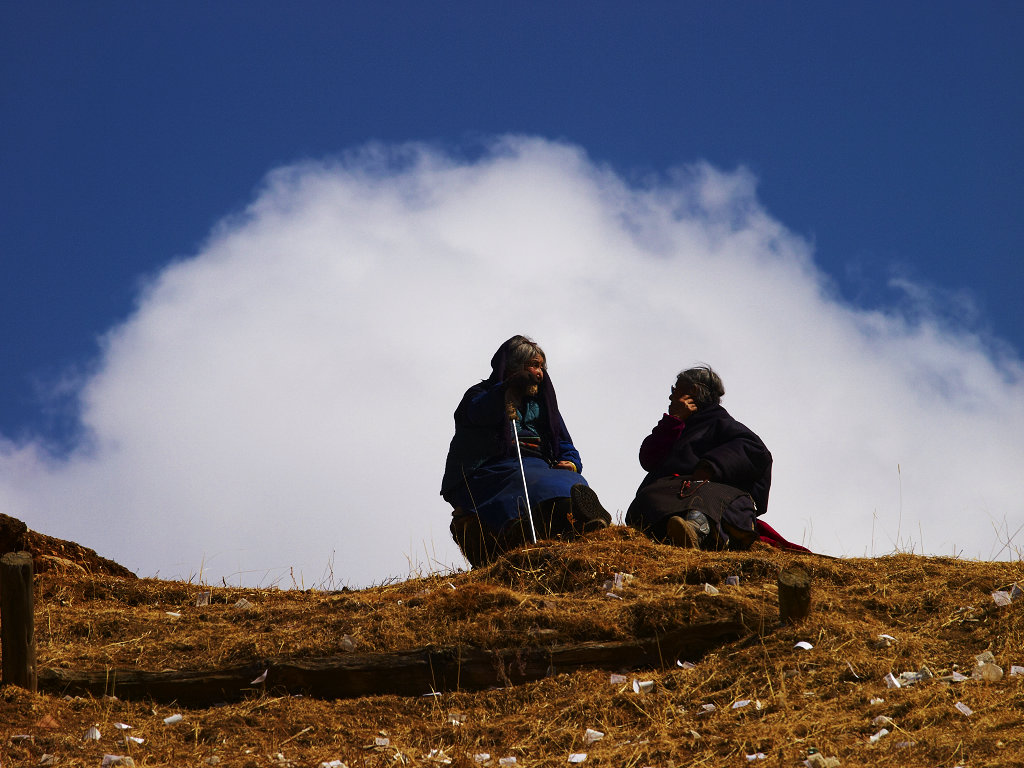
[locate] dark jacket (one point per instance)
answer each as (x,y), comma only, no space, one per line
(483,432)
(734,454)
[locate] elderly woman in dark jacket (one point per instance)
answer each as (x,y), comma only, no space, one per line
(708,475)
(483,478)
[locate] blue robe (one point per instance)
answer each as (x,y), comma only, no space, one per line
(482,473)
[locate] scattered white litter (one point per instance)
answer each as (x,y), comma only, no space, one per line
(853,672)
(755,756)
(134,739)
(618,581)
(803,645)
(174,617)
(93,734)
(1001,598)
(381,741)
(741,703)
(617,679)
(990,673)
(1016,593)
(883,720)
(122,726)
(48,759)
(173,719)
(956,677)
(964,709)
(1016,671)
(456,719)
(203,598)
(482,757)
(577,757)
(347,643)
(734,581)
(642,686)
(612,594)
(117,760)
(507,761)
(891,681)
(706,708)
(884,641)
(243,604)
(880,735)
(261,679)
(875,701)
(909,678)
(590,736)
(711,589)
(685,664)
(818,760)
(985,657)
(333,764)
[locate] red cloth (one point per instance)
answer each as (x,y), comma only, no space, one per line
(769,535)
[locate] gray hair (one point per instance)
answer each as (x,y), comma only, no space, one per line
(521,350)
(706,385)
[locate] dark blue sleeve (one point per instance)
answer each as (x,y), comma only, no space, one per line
(482,406)
(566,450)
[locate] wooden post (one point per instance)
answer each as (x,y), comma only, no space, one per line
(17,622)
(794,594)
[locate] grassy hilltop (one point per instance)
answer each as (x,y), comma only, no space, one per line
(752,699)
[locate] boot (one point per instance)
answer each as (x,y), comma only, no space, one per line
(586,513)
(682,533)
(469,535)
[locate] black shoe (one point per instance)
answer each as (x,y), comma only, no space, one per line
(586,510)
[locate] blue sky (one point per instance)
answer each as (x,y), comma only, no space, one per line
(885,136)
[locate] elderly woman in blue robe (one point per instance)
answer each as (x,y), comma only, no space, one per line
(514,414)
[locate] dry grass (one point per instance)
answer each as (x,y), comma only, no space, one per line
(939,610)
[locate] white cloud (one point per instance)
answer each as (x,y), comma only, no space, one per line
(279,406)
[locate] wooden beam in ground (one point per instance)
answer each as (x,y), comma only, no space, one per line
(405,673)
(17,622)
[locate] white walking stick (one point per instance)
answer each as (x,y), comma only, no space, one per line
(526,493)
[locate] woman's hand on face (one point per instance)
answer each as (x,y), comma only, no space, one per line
(681,407)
